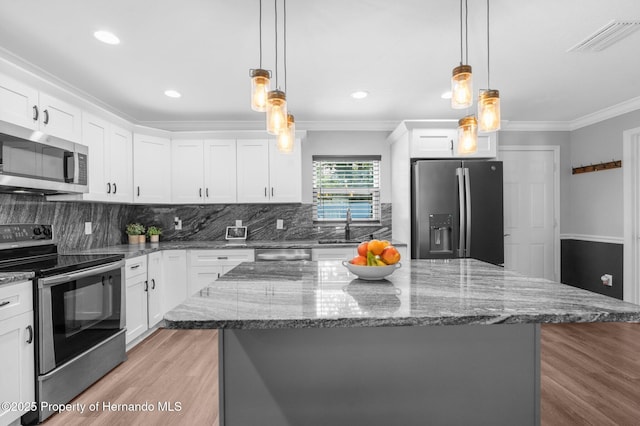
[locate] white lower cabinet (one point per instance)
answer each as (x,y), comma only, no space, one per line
(334,253)
(17,376)
(145,284)
(175,278)
(206,266)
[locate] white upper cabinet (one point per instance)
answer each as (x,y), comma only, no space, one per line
(151,169)
(110,164)
(203,171)
(443,143)
(275,180)
(18,103)
(58,118)
(26,107)
(285,174)
(220,171)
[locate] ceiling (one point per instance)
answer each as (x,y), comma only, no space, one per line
(401,52)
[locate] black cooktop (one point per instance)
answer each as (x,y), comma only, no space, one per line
(32,248)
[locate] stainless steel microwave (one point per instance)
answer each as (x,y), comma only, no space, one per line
(31,161)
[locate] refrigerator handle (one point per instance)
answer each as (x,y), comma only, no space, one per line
(461,216)
(467,185)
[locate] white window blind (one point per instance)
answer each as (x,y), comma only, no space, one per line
(341,183)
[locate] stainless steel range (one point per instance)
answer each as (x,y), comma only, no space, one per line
(79,313)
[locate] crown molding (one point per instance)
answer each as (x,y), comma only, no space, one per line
(535,126)
(203,126)
(630,105)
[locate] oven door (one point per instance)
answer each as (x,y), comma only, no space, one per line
(77,311)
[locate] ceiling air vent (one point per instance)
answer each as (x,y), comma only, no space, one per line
(606,36)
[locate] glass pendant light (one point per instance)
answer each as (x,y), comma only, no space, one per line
(461,78)
(489,110)
(260,79)
(287,137)
(276,112)
(467,135)
(489,100)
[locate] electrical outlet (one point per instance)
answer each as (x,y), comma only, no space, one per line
(238,223)
(177,223)
(279,224)
(607,279)
(87,228)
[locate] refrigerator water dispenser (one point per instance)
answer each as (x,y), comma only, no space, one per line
(440,233)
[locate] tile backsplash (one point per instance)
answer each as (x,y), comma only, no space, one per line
(199,222)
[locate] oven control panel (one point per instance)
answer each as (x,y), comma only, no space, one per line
(21,232)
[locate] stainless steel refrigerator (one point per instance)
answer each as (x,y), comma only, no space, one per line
(457,210)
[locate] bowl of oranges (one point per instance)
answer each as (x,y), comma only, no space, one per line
(376,260)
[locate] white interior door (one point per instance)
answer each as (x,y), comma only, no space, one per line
(531,185)
(631,207)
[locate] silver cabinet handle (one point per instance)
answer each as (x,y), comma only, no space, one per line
(265,191)
(153,283)
(108,187)
(46,116)
(135,266)
(200,192)
(5,303)
(146,286)
(30,331)
(115,188)
(206,192)
(138,191)
(35,113)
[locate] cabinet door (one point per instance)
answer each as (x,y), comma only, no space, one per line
(136,307)
(18,367)
(95,134)
(156,286)
(120,164)
(220,171)
(58,118)
(285,174)
(432,143)
(151,169)
(200,277)
(487,146)
(174,278)
(253,171)
(17,102)
(187,171)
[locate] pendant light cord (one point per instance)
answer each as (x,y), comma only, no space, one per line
(488,55)
(284,14)
(260,27)
(461,57)
(466,31)
(275,4)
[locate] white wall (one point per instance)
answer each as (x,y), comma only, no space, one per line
(346,143)
(596,198)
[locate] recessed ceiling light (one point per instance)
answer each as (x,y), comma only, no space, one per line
(446,95)
(106,37)
(360,94)
(172,93)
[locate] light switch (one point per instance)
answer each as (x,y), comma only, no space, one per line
(87,228)
(279,224)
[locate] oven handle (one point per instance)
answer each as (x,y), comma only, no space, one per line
(59,279)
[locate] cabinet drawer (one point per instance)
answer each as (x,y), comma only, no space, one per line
(337,253)
(15,299)
(135,266)
(220,257)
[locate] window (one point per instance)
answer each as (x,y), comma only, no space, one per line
(341,183)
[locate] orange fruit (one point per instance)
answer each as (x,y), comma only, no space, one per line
(390,255)
(362,249)
(359,260)
(376,247)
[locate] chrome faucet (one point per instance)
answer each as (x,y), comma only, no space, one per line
(347,227)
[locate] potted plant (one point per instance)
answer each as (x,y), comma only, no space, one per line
(154,232)
(135,231)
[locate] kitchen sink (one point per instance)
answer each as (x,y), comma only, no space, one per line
(339,241)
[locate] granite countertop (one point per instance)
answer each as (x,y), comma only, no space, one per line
(301,294)
(133,250)
(14,277)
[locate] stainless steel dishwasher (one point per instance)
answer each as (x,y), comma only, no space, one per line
(271,254)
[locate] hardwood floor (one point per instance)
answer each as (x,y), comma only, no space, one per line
(590,375)
(174,366)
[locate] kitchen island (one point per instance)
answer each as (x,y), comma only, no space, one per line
(438,342)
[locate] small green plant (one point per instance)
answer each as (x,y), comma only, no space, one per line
(154,230)
(135,229)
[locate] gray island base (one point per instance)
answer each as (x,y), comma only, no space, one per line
(439,342)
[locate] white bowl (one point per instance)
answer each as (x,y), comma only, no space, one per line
(371,272)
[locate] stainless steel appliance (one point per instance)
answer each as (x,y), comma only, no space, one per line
(276,254)
(34,162)
(457,210)
(79,313)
